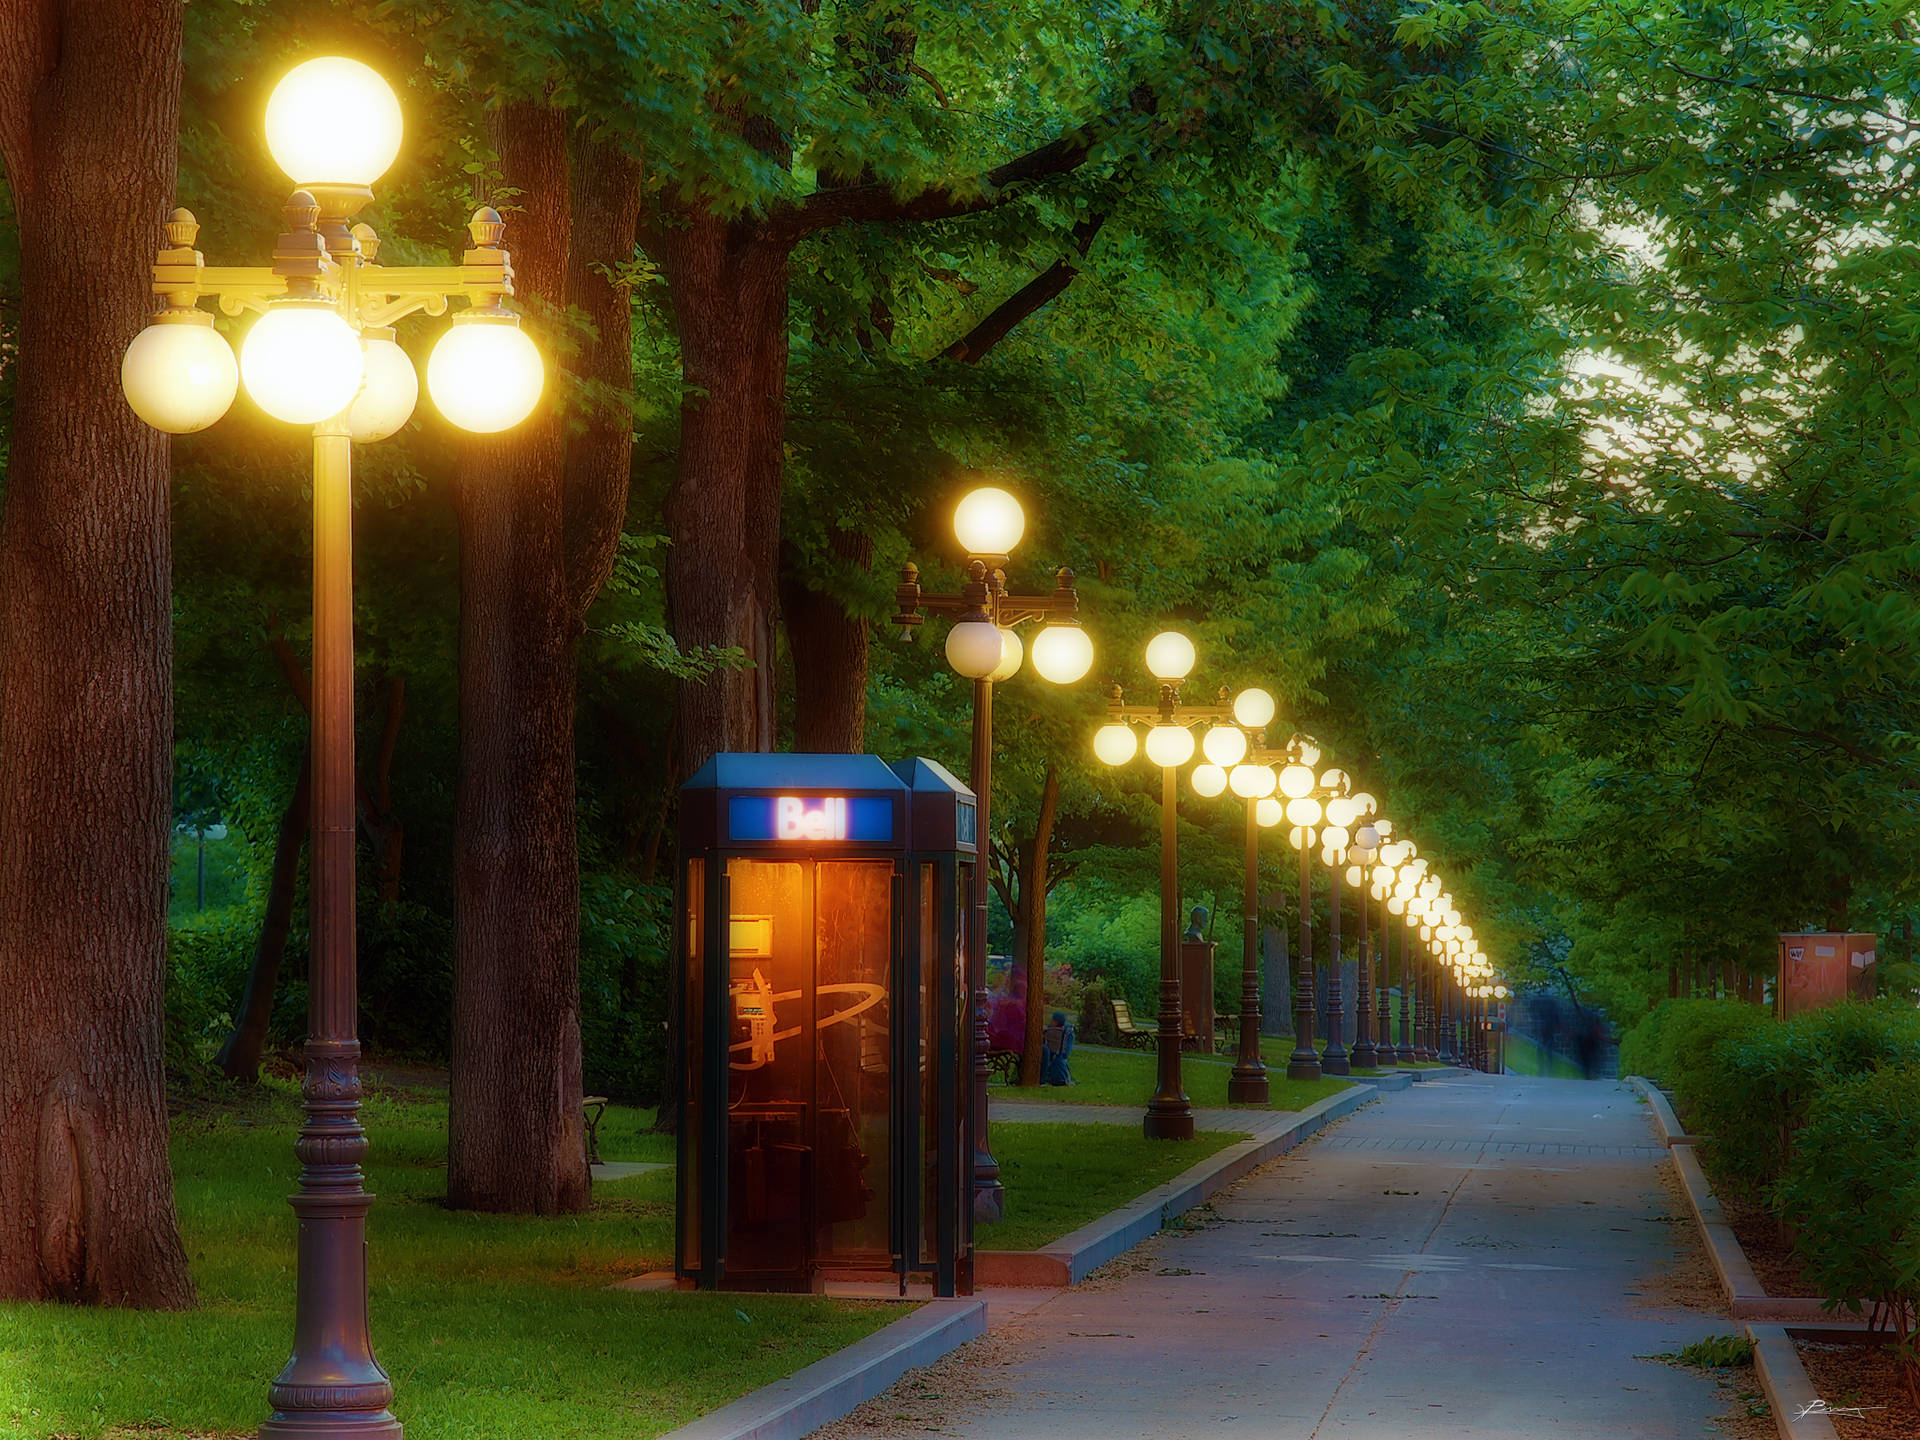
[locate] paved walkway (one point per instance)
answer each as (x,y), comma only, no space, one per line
(1475,1257)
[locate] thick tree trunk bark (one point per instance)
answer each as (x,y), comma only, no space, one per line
(89,104)
(516,1140)
(239,1058)
(829,649)
(723,514)
(1033,901)
(540,521)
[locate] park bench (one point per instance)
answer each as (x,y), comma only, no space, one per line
(593,1107)
(1123,1025)
(1005,1066)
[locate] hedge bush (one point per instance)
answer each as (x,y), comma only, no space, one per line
(1758,1092)
(1676,1044)
(1852,1197)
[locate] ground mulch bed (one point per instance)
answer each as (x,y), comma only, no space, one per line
(1768,1250)
(1846,1374)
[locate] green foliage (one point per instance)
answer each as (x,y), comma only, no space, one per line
(207,960)
(1679,1043)
(1755,1091)
(1717,1352)
(1852,1198)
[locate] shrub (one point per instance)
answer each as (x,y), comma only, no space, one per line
(1096,1014)
(625,980)
(1852,1197)
(1676,1043)
(1756,1096)
(208,955)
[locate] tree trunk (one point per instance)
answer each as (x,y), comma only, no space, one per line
(540,521)
(89,105)
(829,649)
(1033,901)
(239,1058)
(729,292)
(516,1139)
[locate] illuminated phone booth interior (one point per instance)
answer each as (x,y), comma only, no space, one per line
(821,947)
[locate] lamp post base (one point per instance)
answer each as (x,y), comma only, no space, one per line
(1167,1123)
(1303,1064)
(1248,1087)
(1365,1056)
(989,1203)
(330,1425)
(1333,1060)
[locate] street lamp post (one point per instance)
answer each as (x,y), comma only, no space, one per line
(1303,811)
(983,648)
(1254,781)
(322,354)
(1170,657)
(1363,852)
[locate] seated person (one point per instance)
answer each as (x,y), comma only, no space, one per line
(1056,1043)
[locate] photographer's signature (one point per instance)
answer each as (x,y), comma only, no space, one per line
(1820,1407)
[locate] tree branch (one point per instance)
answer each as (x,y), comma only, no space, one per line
(1030,298)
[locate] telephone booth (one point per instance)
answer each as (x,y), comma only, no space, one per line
(821,951)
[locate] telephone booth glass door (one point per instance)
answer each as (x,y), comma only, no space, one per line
(809,1095)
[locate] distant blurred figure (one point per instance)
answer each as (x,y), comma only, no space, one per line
(1056,1043)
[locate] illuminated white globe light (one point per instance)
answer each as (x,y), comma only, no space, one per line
(1353,876)
(1301,837)
(1334,779)
(1384,826)
(1253,782)
(1500,992)
(1366,803)
(1012,652)
(1269,812)
(974,647)
(179,375)
(989,522)
(1307,750)
(1062,654)
(1296,781)
(1224,744)
(1426,932)
(1303,810)
(1169,746)
(1253,708)
(1208,780)
(1329,858)
(1335,835)
(1170,656)
(1396,905)
(485,374)
(334,121)
(1367,837)
(388,394)
(1430,887)
(302,362)
(1340,810)
(1115,744)
(1383,874)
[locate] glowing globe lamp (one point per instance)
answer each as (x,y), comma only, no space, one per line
(1062,654)
(974,648)
(485,374)
(386,400)
(1012,652)
(1169,746)
(1341,810)
(1170,656)
(1208,780)
(989,522)
(1304,810)
(1115,744)
(302,362)
(1253,781)
(1224,744)
(179,374)
(1269,812)
(1296,781)
(333,121)
(1253,708)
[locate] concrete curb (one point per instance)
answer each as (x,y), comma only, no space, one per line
(1071,1258)
(1747,1298)
(1783,1379)
(1668,1124)
(830,1388)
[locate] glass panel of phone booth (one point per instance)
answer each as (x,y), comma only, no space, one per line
(770,1120)
(962,1015)
(694,907)
(853,1078)
(924,952)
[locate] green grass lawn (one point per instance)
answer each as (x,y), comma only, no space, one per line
(1058,1177)
(1526,1058)
(493,1327)
(1106,1076)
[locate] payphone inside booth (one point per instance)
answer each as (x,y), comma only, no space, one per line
(821,951)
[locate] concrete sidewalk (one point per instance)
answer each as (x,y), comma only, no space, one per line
(1478,1257)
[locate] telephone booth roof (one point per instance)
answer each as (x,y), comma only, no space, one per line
(761,798)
